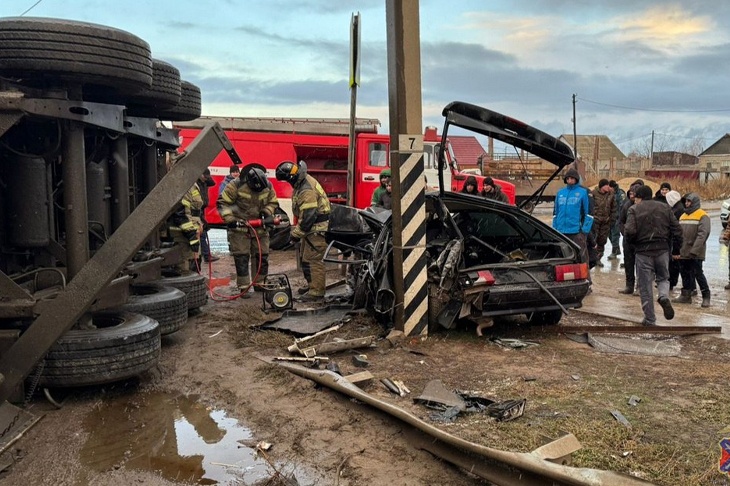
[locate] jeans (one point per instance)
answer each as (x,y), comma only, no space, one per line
(650,269)
(615,238)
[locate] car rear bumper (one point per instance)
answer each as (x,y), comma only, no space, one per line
(527,298)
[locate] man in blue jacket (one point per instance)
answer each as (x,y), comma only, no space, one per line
(571,213)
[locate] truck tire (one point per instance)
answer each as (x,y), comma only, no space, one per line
(189,106)
(166,305)
(123,346)
(164,93)
(194,286)
(42,49)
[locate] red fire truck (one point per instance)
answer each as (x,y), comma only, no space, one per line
(323,144)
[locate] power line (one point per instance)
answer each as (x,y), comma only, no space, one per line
(652,109)
(30,8)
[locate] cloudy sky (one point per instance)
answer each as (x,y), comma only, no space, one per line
(636,66)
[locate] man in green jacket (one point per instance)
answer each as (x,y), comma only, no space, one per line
(384,181)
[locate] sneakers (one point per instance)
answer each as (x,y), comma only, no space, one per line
(666,307)
(644,322)
(627,290)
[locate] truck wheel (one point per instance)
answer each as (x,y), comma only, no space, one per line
(63,50)
(166,305)
(193,285)
(189,106)
(547,318)
(164,94)
(122,346)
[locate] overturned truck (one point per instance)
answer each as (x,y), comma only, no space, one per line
(86,289)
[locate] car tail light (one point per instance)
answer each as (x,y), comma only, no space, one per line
(484,277)
(578,271)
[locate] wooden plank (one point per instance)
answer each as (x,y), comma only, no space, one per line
(361,377)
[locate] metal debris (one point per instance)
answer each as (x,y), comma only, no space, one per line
(634,400)
(513,343)
(620,417)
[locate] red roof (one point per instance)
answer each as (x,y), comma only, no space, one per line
(467,150)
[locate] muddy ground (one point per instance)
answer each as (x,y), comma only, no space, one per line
(569,387)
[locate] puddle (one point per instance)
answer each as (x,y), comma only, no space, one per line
(176,437)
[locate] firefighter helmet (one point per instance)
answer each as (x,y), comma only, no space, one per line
(256,179)
(287,171)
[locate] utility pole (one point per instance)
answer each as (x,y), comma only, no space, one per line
(651,150)
(354,83)
(406,160)
(575,132)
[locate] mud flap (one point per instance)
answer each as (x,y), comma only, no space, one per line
(447,316)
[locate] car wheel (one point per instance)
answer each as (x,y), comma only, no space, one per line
(166,305)
(189,106)
(193,285)
(122,346)
(45,49)
(547,318)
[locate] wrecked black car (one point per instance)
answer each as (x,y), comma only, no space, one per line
(484,258)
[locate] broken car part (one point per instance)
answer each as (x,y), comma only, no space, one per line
(509,467)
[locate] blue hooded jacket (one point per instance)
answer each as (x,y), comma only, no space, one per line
(571,213)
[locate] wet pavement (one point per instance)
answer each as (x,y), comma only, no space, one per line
(608,280)
(177,437)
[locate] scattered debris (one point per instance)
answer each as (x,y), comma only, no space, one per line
(214,335)
(530,378)
(390,386)
(502,411)
(361,377)
(575,377)
(395,337)
(263,446)
(634,400)
(334,367)
(294,348)
(313,359)
(435,395)
(513,343)
(620,417)
(336,346)
(360,360)
(402,388)
(309,321)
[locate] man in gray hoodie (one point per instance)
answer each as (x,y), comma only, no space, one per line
(696,228)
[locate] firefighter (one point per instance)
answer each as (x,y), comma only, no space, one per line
(311,210)
(186,227)
(248,198)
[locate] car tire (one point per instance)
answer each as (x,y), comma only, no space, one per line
(166,305)
(42,49)
(189,106)
(123,345)
(194,286)
(546,318)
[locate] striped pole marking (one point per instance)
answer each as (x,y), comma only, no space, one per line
(413,238)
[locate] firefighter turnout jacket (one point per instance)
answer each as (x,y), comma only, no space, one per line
(186,217)
(238,202)
(311,208)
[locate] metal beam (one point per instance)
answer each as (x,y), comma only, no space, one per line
(59,315)
(679,330)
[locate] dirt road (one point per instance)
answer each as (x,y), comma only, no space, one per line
(213,372)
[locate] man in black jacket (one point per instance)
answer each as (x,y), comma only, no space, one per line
(650,227)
